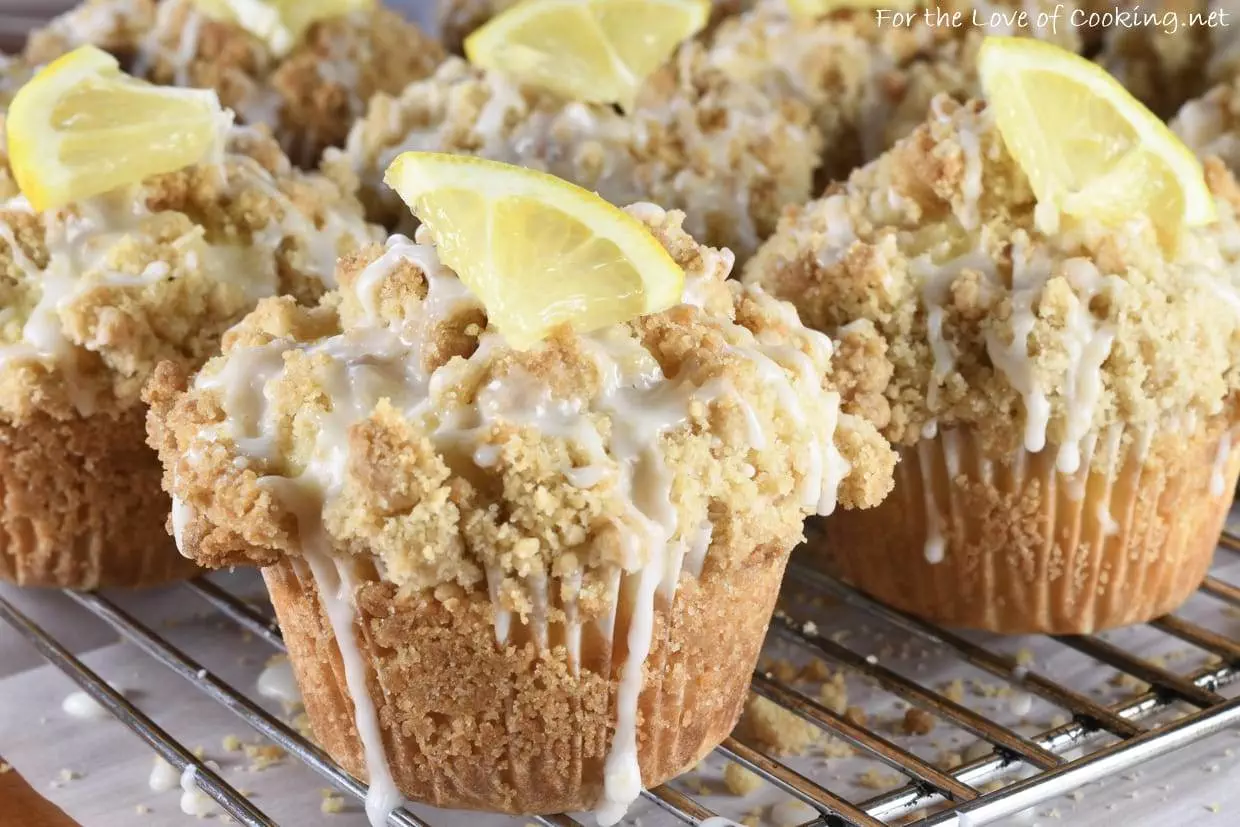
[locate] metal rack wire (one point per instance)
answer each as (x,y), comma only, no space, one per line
(957,794)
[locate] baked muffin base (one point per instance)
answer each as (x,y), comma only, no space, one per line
(469,724)
(82,506)
(1030,550)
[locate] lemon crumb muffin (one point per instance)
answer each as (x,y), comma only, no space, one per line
(548,571)
(308,92)
(716,149)
(866,83)
(1063,399)
(92,296)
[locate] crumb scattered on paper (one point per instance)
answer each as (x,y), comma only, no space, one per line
(739,780)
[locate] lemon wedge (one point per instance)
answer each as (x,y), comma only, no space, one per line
(81,127)
(1088,147)
(587,50)
(538,251)
(279,23)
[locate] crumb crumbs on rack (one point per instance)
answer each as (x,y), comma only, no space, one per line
(878,780)
(948,760)
(917,722)
(791,813)
(1122,680)
(263,756)
(332,803)
(834,694)
(817,671)
(977,749)
(64,777)
(739,780)
(142,809)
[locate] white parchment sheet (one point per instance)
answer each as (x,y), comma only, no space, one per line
(108,767)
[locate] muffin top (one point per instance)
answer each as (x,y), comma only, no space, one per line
(393,420)
(95,294)
(308,96)
(1027,337)
(866,83)
(721,150)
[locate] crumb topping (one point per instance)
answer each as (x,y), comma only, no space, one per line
(391,421)
(929,259)
(95,294)
(718,149)
(308,97)
(866,84)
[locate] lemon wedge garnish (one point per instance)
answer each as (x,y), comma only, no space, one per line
(536,250)
(81,127)
(279,23)
(586,50)
(1088,147)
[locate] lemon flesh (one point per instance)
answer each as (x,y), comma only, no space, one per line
(538,251)
(81,127)
(1088,148)
(587,50)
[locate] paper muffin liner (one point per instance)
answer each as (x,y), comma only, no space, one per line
(82,506)
(1015,546)
(524,727)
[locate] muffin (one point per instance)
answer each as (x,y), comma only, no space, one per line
(719,150)
(93,296)
(308,93)
(866,83)
(525,581)
(1063,402)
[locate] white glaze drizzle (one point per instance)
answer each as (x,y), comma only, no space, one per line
(569,590)
(181,516)
(336,589)
(1030,271)
(936,542)
(1218,480)
(1088,345)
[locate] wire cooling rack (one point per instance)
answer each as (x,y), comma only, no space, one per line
(1187,705)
